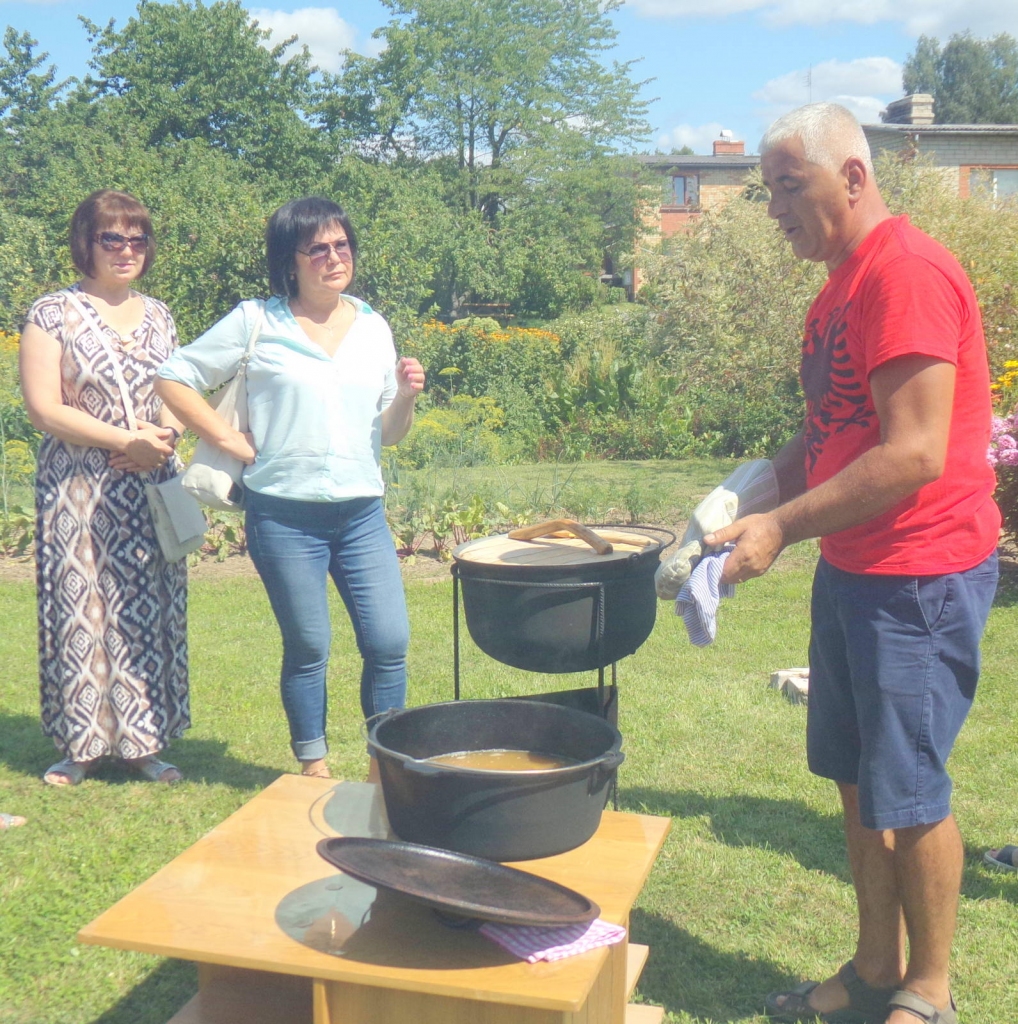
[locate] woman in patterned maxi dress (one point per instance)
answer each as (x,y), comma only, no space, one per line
(112,611)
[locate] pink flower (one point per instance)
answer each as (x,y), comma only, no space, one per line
(1006,442)
(1009,457)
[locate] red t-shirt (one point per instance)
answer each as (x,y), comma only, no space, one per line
(901,293)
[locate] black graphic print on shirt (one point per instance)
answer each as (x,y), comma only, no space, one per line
(836,395)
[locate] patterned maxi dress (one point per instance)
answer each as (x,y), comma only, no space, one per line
(112,611)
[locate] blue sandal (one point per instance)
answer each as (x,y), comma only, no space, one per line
(152,769)
(73,771)
(866,1004)
(1005,859)
(922,1009)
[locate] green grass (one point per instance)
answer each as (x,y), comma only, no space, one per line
(591,491)
(750,894)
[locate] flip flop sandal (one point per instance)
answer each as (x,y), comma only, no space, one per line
(10,820)
(73,771)
(319,773)
(866,1004)
(152,769)
(921,1009)
(1005,859)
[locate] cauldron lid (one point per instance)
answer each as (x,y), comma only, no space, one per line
(458,883)
(501,549)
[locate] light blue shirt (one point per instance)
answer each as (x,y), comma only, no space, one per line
(316,420)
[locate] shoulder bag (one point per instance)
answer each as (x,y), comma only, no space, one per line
(212,476)
(177,519)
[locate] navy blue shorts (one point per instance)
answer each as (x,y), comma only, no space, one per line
(893,665)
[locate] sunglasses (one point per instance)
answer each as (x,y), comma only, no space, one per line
(319,252)
(110,241)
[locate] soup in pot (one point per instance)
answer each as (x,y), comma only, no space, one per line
(502,760)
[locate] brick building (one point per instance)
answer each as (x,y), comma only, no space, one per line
(692,184)
(973,157)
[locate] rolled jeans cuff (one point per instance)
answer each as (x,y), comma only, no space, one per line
(310,750)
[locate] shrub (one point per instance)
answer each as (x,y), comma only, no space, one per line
(462,433)
(730,301)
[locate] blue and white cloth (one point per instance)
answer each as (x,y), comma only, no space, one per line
(698,600)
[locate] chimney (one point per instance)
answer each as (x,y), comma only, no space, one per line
(914,109)
(727,146)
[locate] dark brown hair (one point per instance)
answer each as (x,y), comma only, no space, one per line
(101,211)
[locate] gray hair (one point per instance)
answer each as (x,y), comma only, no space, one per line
(829,133)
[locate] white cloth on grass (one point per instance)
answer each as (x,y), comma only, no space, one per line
(700,596)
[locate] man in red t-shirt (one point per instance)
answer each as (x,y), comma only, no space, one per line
(890,473)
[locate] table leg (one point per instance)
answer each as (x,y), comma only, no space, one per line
(232,995)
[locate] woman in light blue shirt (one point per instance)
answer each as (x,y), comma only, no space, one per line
(325,392)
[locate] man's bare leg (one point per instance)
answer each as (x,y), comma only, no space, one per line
(929,861)
(880,951)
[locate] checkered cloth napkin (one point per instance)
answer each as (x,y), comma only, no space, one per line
(534,944)
(698,600)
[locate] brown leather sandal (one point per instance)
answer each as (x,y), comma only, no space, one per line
(866,1004)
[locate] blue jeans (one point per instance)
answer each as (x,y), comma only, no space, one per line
(295,545)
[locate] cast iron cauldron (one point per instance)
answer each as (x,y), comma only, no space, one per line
(495,814)
(557,603)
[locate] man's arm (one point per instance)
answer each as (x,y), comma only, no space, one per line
(913,396)
(790,467)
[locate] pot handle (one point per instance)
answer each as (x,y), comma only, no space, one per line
(611,761)
(599,544)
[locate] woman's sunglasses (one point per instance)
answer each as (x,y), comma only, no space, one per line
(110,241)
(319,252)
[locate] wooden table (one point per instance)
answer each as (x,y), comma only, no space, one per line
(280,937)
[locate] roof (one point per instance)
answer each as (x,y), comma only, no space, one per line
(694,161)
(944,129)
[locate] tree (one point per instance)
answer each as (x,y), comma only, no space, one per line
(485,80)
(185,70)
(973,81)
(25,92)
(513,101)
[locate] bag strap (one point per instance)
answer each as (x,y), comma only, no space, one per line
(93,322)
(255,331)
(252,340)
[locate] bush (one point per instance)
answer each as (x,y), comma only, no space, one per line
(730,301)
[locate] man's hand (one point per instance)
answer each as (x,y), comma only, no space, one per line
(758,542)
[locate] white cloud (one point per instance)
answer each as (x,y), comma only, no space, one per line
(864,86)
(934,17)
(321,29)
(699,138)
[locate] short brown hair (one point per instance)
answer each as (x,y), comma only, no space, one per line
(99,212)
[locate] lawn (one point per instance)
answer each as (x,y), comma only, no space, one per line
(750,894)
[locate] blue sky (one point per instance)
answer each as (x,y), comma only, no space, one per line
(716,64)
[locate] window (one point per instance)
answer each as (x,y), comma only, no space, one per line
(681,190)
(995,182)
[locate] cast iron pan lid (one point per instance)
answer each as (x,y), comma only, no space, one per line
(457,883)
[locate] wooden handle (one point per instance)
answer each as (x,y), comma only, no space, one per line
(599,544)
(631,539)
